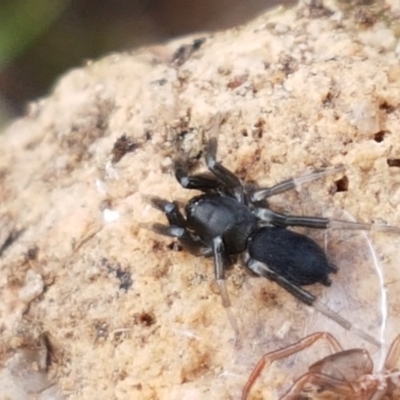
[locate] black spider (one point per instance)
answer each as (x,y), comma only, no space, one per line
(231,219)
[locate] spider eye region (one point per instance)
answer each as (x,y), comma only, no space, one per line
(296,257)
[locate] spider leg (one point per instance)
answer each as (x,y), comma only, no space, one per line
(177,227)
(306,297)
(279,219)
(203,182)
(342,388)
(228,179)
(261,194)
(218,249)
(189,242)
(221,177)
(170,209)
(347,373)
(287,351)
(393,355)
(292,183)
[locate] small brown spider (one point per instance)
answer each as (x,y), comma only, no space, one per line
(345,374)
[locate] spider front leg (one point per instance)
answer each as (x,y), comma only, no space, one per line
(227,178)
(177,227)
(220,177)
(203,182)
(287,351)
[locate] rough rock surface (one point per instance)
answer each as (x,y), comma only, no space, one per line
(96,305)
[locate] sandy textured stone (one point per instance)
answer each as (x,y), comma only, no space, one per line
(128,316)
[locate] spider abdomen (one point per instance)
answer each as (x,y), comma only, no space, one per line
(296,257)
